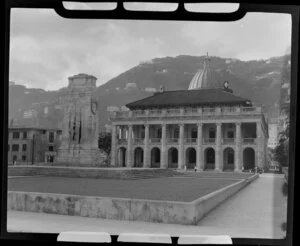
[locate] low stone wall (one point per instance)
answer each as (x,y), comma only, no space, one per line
(188,213)
(206,203)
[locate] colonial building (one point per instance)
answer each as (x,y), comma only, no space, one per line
(32,145)
(205,127)
(273,132)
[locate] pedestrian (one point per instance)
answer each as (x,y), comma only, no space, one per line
(15,162)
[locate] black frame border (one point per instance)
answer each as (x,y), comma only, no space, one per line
(181,14)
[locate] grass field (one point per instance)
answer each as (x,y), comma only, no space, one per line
(184,189)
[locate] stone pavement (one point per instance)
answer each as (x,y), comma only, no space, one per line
(257,211)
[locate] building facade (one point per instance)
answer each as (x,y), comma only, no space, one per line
(32,145)
(205,127)
(273,132)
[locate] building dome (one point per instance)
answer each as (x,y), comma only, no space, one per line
(204,78)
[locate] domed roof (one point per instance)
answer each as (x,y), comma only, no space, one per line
(204,78)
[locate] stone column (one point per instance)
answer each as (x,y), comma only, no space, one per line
(218,158)
(113,146)
(163,159)
(146,147)
(129,147)
(200,162)
(181,161)
(259,145)
(238,147)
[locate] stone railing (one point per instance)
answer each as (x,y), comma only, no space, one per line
(122,141)
(173,140)
(138,141)
(209,140)
(172,112)
(249,140)
(190,140)
(155,140)
(187,112)
(187,141)
(228,140)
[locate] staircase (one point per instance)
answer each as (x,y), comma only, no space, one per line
(104,173)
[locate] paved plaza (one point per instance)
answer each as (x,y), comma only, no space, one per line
(257,211)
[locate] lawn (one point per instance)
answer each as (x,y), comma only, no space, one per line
(184,189)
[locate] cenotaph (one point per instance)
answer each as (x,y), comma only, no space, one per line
(79,145)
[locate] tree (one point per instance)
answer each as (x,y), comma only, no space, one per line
(104,142)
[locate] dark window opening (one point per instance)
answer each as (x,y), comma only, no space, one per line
(212,133)
(24,135)
(159,133)
(24,158)
(15,147)
(51,137)
(51,148)
(24,147)
(230,134)
(16,135)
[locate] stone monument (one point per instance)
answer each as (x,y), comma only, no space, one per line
(79,146)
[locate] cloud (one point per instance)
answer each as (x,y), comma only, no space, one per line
(46,49)
(256,36)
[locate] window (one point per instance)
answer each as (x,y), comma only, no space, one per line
(24,158)
(24,135)
(16,135)
(212,133)
(194,134)
(15,147)
(51,137)
(51,148)
(230,134)
(159,133)
(176,133)
(24,147)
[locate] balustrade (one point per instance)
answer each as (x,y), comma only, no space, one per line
(228,140)
(185,112)
(209,140)
(173,140)
(190,140)
(155,140)
(122,141)
(249,140)
(138,141)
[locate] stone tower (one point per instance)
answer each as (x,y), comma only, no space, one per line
(79,146)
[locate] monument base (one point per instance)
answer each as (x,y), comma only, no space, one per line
(80,157)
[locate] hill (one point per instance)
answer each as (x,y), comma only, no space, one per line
(257,80)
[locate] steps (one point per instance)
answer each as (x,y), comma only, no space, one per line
(105,173)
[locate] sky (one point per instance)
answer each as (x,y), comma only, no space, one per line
(46,49)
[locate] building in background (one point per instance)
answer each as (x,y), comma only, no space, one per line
(273,132)
(205,127)
(32,145)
